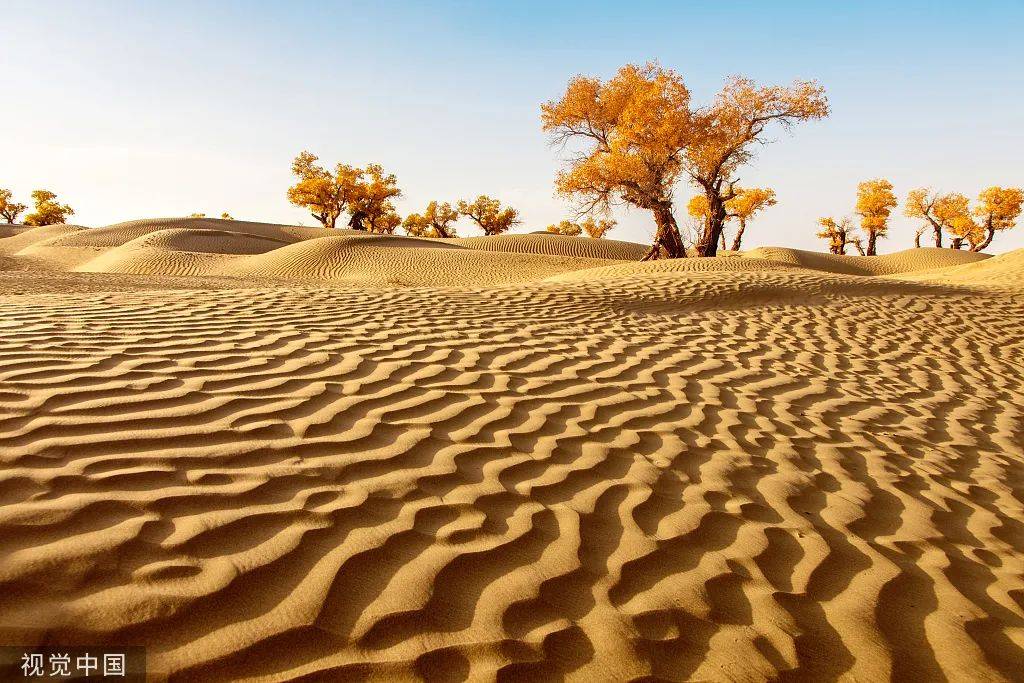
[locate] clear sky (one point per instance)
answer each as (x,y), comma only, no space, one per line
(144,109)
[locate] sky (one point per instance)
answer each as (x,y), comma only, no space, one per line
(143,109)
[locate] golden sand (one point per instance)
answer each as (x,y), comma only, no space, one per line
(265,452)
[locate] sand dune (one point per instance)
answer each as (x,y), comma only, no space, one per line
(122,233)
(378,458)
(354,259)
(906,261)
(635,268)
(1005,270)
(20,239)
(556,245)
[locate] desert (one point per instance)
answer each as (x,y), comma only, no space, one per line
(523,342)
(267,452)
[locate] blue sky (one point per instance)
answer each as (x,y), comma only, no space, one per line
(144,109)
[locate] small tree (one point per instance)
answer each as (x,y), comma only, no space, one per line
(48,210)
(839,234)
(963,230)
(370,205)
(742,207)
(745,205)
(9,209)
(593,227)
(998,209)
(227,216)
(488,214)
(597,228)
(435,221)
(326,195)
(566,228)
(921,204)
(875,201)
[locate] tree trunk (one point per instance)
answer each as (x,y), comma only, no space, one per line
(441,230)
(356,223)
(957,243)
(872,240)
(917,240)
(667,237)
(989,234)
(721,242)
(938,235)
(714,223)
(739,235)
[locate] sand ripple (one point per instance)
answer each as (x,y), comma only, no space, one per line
(616,482)
(651,472)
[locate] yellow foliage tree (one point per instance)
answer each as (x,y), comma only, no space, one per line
(742,207)
(875,201)
(726,134)
(488,214)
(370,205)
(745,205)
(597,228)
(635,128)
(325,194)
(998,209)
(435,221)
(566,228)
(640,134)
(839,234)
(224,216)
(922,204)
(48,210)
(965,230)
(9,209)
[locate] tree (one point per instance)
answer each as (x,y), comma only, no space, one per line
(745,205)
(998,209)
(566,228)
(224,216)
(640,134)
(921,204)
(48,210)
(635,128)
(593,227)
(488,214)
(725,137)
(964,229)
(435,221)
(597,228)
(839,234)
(326,195)
(370,205)
(697,208)
(875,201)
(10,209)
(742,207)
(917,236)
